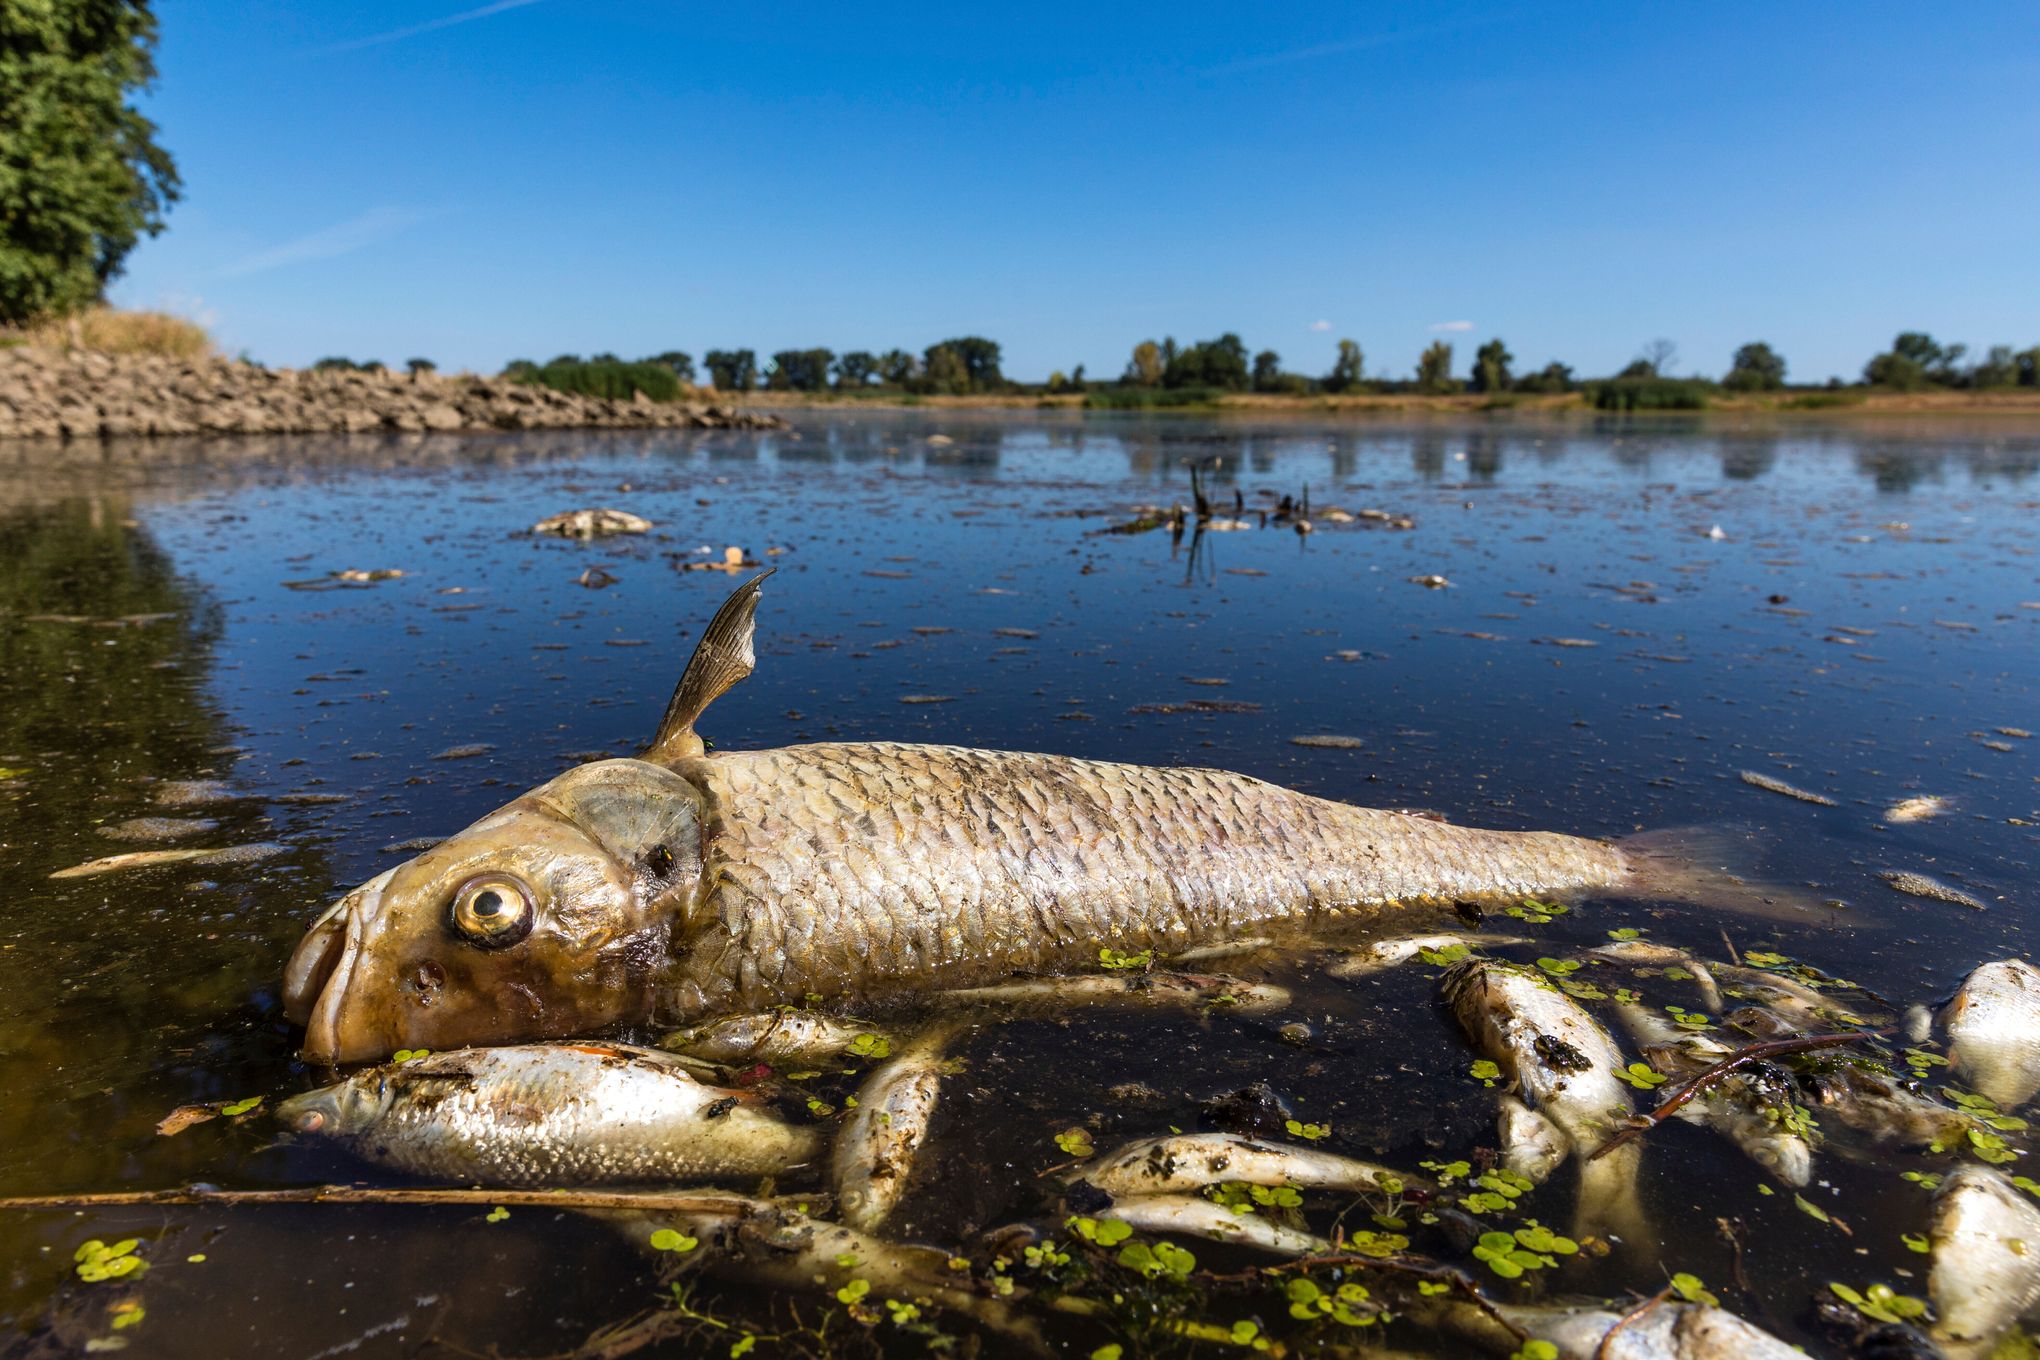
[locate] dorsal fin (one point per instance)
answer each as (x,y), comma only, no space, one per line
(721,659)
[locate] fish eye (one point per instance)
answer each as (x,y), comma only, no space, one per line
(491,912)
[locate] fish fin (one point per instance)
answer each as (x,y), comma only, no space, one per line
(722,658)
(1706,867)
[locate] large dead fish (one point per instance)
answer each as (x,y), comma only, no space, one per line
(1994,1031)
(1986,1272)
(684,884)
(550,1114)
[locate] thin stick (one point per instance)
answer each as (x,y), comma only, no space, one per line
(1742,1057)
(678,1201)
(1608,1337)
(1731,947)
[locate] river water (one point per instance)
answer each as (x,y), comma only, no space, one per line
(1637,613)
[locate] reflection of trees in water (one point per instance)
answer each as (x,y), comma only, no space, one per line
(1483,455)
(1744,458)
(1427,455)
(106,977)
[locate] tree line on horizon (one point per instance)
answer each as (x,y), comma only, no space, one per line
(968,365)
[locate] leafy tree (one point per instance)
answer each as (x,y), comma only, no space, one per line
(1553,377)
(1914,360)
(943,370)
(603,376)
(82,179)
(1896,371)
(419,367)
(2028,361)
(1434,369)
(1346,369)
(1756,368)
(855,370)
(732,370)
(897,368)
(1077,379)
(1491,367)
(1208,363)
(800,370)
(563,359)
(520,370)
(1145,368)
(2000,368)
(1638,368)
(681,362)
(1267,371)
(334,363)
(980,360)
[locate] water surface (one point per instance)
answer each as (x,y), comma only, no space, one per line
(1637,613)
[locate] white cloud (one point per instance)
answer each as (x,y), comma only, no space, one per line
(431,26)
(344,238)
(1453,326)
(1320,325)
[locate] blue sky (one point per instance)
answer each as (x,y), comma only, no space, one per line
(475,183)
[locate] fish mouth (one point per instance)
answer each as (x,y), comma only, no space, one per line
(320,972)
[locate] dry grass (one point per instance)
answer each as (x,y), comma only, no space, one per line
(110,331)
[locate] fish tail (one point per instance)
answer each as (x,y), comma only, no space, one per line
(1611,1205)
(1707,866)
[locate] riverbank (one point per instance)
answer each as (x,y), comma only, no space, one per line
(2017,401)
(81,394)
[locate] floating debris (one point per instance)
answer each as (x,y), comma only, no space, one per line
(596,578)
(1920,809)
(1431,582)
(599,522)
(1199,706)
(927,698)
(1329,741)
(734,559)
(1919,885)
(193,792)
(159,828)
(151,859)
(465,752)
(1770,785)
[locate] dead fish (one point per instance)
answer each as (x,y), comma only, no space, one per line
(874,1154)
(1563,1064)
(1532,1146)
(1645,953)
(685,884)
(159,828)
(1809,1008)
(761,1242)
(1382,955)
(593,523)
(1670,1331)
(1192,1161)
(1933,889)
(1915,809)
(1196,1216)
(1986,1254)
(1993,1029)
(1739,1108)
(550,1114)
(1226,950)
(1888,1108)
(790,1038)
(1770,785)
(1160,987)
(151,859)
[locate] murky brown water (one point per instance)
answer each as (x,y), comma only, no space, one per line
(171,645)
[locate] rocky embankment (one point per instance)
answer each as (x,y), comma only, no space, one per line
(77,394)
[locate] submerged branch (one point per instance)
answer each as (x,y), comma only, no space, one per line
(1742,1057)
(653,1201)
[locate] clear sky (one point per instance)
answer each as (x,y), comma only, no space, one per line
(479,182)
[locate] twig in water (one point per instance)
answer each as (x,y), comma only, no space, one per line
(1608,1337)
(1731,947)
(1742,1057)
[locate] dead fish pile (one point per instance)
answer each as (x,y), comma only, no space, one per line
(599,522)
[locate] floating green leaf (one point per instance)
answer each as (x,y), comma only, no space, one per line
(1484,1071)
(241,1107)
(1641,1075)
(1880,1302)
(871,1046)
(496,1215)
(1690,1288)
(853,1291)
(1312,1132)
(666,1239)
(1625,933)
(1075,1141)
(1112,958)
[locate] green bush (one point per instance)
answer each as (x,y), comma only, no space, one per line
(1651,394)
(1145,398)
(610,378)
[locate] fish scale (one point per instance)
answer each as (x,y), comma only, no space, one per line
(859,867)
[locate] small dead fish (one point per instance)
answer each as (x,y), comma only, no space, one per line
(1532,1146)
(1563,1063)
(159,828)
(1915,809)
(1227,949)
(1770,785)
(592,523)
(1196,1216)
(874,1154)
(1382,955)
(1644,953)
(1156,988)
(583,1113)
(1994,1032)
(801,1038)
(1738,1108)
(1806,1007)
(150,859)
(1876,1104)
(1933,889)
(1986,1253)
(1192,1161)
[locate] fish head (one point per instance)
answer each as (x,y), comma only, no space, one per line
(549,917)
(346,1109)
